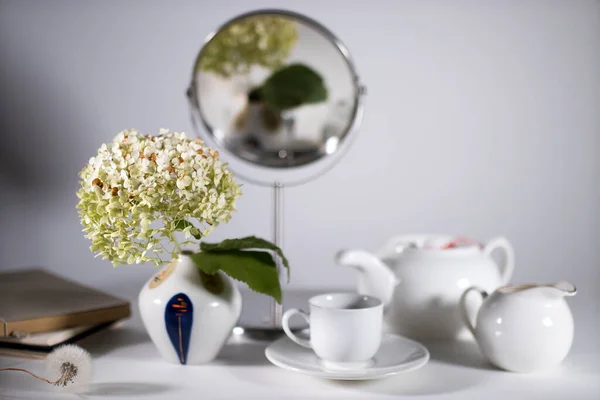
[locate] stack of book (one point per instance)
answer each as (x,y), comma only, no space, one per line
(40,311)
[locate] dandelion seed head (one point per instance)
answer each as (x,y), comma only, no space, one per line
(69,366)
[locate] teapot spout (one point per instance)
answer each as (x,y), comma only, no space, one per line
(375,278)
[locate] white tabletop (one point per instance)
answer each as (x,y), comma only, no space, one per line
(126,365)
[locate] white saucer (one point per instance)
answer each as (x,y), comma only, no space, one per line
(396,355)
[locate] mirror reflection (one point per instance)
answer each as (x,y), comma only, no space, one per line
(276,90)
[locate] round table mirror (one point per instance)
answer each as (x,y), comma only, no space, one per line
(277,93)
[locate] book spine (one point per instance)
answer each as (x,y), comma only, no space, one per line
(48,324)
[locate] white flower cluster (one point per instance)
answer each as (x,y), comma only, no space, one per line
(258,40)
(141,188)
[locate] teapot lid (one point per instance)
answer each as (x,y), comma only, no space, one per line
(422,243)
(445,243)
(455,242)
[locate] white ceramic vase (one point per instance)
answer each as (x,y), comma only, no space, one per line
(189,315)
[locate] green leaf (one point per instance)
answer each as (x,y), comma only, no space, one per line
(212,283)
(256,269)
(292,86)
(181,224)
(245,243)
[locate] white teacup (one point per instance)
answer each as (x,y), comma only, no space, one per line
(345,328)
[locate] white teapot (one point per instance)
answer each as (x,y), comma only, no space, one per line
(420,279)
(523,328)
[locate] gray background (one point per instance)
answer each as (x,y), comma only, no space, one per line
(482,118)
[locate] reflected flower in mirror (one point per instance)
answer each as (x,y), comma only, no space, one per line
(265,41)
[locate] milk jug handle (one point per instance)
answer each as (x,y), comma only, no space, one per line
(464,311)
(502,243)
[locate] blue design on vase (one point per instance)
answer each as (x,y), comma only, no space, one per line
(179,316)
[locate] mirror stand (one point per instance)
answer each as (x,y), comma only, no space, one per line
(278,216)
(273,329)
(278,93)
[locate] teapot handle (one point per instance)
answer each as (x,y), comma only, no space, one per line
(464,312)
(507,270)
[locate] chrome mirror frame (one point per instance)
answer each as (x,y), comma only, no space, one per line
(293,175)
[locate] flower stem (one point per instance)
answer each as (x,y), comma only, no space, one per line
(176,243)
(30,373)
(174,239)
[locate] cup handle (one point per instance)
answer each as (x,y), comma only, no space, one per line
(464,312)
(285,323)
(509,265)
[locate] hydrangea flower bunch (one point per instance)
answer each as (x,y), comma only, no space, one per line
(259,40)
(141,189)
